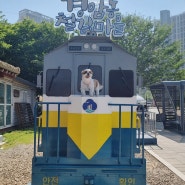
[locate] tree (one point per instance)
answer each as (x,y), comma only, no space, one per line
(29,42)
(5,29)
(149,42)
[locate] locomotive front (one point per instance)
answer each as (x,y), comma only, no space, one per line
(85,140)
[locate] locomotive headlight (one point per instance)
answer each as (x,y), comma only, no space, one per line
(94,46)
(88,180)
(86,46)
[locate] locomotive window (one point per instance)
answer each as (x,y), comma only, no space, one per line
(121,83)
(58,82)
(97,73)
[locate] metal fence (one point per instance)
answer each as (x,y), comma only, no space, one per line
(150,124)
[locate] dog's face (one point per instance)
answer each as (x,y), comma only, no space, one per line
(87,73)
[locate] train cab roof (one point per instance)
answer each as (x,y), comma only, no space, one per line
(91,39)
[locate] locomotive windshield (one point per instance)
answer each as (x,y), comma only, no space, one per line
(121,83)
(58,82)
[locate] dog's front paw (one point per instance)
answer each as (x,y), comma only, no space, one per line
(91,95)
(83,93)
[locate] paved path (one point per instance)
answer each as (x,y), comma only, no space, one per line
(170,150)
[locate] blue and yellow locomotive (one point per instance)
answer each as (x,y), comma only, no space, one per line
(84,140)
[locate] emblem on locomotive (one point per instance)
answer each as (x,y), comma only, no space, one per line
(89,106)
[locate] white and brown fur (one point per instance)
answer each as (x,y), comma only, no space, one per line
(89,84)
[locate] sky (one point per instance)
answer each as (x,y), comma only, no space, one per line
(51,8)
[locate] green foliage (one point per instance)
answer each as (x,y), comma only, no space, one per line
(148,41)
(148,95)
(4,31)
(29,42)
(24,44)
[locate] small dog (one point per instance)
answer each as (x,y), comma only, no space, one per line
(89,84)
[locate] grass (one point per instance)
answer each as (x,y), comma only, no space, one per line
(17,137)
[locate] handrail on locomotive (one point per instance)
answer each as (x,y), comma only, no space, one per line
(38,125)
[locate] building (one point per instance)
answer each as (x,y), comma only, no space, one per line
(165,17)
(178,26)
(35,16)
(17,98)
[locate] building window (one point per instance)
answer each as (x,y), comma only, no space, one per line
(8,94)
(1,93)
(5,104)
(16,93)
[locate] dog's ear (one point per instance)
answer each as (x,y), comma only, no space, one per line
(82,72)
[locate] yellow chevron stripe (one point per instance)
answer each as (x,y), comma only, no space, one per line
(89,131)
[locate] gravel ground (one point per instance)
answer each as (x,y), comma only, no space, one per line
(15,168)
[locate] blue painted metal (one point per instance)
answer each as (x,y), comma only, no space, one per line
(112,165)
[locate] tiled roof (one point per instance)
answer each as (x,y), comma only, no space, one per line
(9,68)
